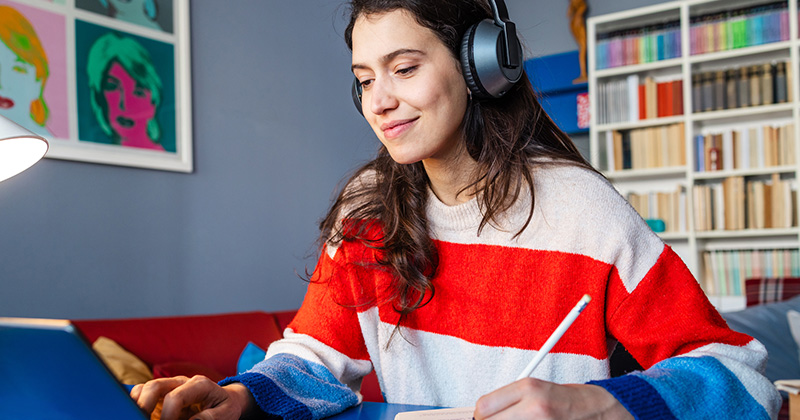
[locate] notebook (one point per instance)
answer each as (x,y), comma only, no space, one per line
(50,372)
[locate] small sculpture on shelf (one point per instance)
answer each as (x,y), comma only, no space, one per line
(576,14)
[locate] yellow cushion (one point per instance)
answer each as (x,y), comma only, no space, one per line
(125,366)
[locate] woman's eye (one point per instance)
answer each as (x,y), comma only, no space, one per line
(110,83)
(140,92)
(406,70)
(365,83)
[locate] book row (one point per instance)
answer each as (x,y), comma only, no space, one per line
(763,84)
(726,271)
(635,99)
(645,148)
(737,203)
(669,208)
(638,45)
(739,28)
(749,148)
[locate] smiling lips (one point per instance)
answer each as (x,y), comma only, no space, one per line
(6,103)
(395,128)
(125,122)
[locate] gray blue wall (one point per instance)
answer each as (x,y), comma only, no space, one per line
(274,133)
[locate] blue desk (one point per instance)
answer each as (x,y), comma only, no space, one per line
(377,411)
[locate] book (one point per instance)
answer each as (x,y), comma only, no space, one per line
(461,413)
(727,150)
(731,96)
(609,137)
(632,90)
(791,386)
(737,281)
(708,276)
(743,153)
(699,153)
(719,216)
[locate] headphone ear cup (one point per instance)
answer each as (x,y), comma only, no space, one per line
(482,61)
(355,91)
(467,66)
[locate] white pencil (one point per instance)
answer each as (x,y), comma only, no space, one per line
(562,328)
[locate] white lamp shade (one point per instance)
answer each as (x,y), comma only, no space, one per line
(19,148)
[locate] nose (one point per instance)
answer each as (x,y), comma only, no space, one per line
(121,99)
(382,96)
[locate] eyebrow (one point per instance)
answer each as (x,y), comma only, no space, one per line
(391,56)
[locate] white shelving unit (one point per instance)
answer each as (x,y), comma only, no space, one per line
(691,244)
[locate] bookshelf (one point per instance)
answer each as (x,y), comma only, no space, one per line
(695,118)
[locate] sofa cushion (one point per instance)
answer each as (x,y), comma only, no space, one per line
(768,324)
(213,341)
(126,367)
(189,369)
(251,355)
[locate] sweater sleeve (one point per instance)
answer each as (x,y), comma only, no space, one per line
(315,371)
(695,366)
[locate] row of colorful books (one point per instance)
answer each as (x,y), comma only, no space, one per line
(726,271)
(669,207)
(645,148)
(632,99)
(719,31)
(763,84)
(738,28)
(737,203)
(749,148)
(638,45)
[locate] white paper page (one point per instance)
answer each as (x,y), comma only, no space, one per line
(461,413)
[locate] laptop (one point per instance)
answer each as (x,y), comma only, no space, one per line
(48,371)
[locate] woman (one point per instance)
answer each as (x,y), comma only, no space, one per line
(140,12)
(450,258)
(125,91)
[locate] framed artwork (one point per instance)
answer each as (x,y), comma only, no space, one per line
(105,81)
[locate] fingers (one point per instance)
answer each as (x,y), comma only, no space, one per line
(150,393)
(511,400)
(136,391)
(181,398)
(196,394)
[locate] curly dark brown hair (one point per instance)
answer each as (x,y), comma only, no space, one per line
(504,136)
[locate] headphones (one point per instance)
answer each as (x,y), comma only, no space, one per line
(491,57)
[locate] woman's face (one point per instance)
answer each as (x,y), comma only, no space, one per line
(414,96)
(130,105)
(18,85)
(128,7)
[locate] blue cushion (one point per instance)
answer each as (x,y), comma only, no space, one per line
(251,355)
(768,324)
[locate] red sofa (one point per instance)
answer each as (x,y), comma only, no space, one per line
(210,341)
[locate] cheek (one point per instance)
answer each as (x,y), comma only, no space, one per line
(449,103)
(112,101)
(142,106)
(23,86)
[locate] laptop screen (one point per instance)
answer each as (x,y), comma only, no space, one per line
(49,371)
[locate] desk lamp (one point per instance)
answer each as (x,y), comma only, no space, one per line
(19,148)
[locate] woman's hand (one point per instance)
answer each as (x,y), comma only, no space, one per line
(197,398)
(535,399)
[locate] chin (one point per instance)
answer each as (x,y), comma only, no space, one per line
(404,160)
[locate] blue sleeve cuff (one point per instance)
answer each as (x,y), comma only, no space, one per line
(270,398)
(638,397)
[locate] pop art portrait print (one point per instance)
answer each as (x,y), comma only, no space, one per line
(106,81)
(125,89)
(33,79)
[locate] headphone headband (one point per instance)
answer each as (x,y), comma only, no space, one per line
(511,53)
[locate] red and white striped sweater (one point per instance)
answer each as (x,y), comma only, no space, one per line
(499,296)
